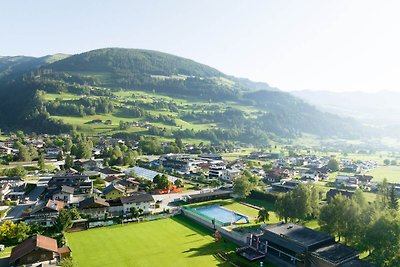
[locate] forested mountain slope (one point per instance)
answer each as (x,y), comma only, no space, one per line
(172,96)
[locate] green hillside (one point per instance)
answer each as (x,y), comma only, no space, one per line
(134,92)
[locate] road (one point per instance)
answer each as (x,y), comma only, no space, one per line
(16,212)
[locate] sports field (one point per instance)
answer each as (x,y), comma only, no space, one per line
(176,241)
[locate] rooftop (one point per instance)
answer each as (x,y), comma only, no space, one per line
(298,234)
(38,241)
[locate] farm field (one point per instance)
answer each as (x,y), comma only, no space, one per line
(391,173)
(175,241)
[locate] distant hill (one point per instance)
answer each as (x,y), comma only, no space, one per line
(379,109)
(203,102)
(20,64)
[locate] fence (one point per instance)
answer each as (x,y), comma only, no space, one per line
(206,221)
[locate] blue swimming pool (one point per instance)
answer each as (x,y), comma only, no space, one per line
(220,214)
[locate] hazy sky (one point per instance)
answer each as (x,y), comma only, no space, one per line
(338,45)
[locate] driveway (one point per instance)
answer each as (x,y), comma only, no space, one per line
(16,212)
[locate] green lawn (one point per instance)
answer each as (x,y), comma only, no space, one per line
(171,242)
(391,173)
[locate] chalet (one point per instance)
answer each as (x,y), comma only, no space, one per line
(352,168)
(45,213)
(12,181)
(277,174)
(35,250)
(139,201)
(94,207)
(89,165)
(64,193)
(114,191)
(81,183)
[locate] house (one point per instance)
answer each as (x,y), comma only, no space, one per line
(286,185)
(334,192)
(139,201)
(114,191)
(4,191)
(89,165)
(116,207)
(45,213)
(94,207)
(105,172)
(6,150)
(35,250)
(311,175)
(364,179)
(64,193)
(288,245)
(216,171)
(81,183)
(52,152)
(348,182)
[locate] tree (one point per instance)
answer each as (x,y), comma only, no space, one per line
(69,162)
(242,186)
(383,239)
(23,153)
(67,262)
(263,215)
(393,201)
(134,212)
(41,163)
(161,182)
(333,165)
(63,221)
(386,162)
(178,183)
(179,143)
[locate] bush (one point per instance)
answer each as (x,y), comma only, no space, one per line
(271,197)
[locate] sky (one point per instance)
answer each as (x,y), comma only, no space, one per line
(340,45)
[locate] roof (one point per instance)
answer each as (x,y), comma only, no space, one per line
(295,235)
(67,189)
(209,194)
(64,249)
(109,171)
(111,178)
(336,253)
(333,192)
(38,241)
(112,187)
(93,202)
(148,174)
(137,198)
(54,205)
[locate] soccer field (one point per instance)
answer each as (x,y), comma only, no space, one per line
(171,242)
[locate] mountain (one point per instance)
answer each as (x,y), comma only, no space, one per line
(178,97)
(21,64)
(378,109)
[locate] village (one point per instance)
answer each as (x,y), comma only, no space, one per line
(56,184)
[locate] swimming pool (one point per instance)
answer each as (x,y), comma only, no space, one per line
(220,214)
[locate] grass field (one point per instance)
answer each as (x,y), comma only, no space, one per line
(171,242)
(391,173)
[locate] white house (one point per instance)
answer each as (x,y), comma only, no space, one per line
(139,201)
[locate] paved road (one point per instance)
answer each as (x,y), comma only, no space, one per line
(16,212)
